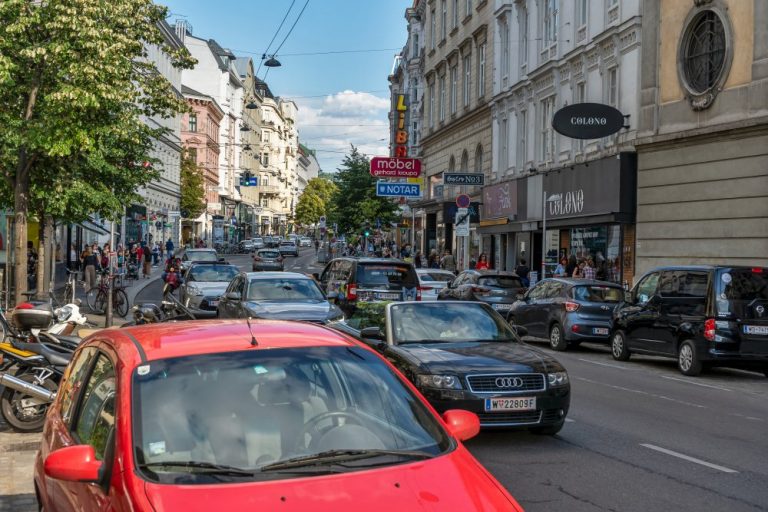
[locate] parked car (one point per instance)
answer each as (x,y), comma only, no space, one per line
(432,280)
(203,284)
(258,243)
(271,242)
(498,288)
(277,295)
(351,280)
(232,415)
(465,355)
(267,259)
(246,245)
(305,241)
(189,256)
(567,311)
(703,316)
(287,247)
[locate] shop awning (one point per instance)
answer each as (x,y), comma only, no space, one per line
(91,225)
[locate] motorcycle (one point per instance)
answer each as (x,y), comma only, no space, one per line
(172,277)
(171,310)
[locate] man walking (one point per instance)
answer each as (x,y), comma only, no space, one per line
(169,249)
(448,262)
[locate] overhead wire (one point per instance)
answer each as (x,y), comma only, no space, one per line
(292,27)
(290,7)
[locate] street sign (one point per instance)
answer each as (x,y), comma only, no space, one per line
(322,222)
(587,120)
(462,222)
(463,179)
(173,213)
(392,167)
(385,188)
(463,201)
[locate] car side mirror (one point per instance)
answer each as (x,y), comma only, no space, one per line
(628,297)
(76,463)
(232,295)
(520,296)
(316,276)
(222,260)
(461,424)
(372,333)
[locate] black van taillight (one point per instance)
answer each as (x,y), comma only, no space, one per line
(351,292)
(709,329)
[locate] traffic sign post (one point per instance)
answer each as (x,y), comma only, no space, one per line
(463,201)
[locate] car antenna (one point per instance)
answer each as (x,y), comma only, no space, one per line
(254,343)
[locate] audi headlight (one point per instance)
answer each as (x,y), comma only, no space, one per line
(439,381)
(194,290)
(557,379)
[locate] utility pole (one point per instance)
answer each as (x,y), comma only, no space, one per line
(108,317)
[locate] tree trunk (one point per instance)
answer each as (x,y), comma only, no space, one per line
(42,254)
(20,210)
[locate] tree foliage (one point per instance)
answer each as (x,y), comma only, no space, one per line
(355,198)
(316,200)
(192,187)
(75,86)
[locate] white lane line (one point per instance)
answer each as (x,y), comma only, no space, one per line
(620,367)
(569,420)
(688,458)
(695,383)
(639,392)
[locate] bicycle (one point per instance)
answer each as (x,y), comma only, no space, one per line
(97,298)
(70,289)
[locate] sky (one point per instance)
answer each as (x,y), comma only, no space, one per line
(343,98)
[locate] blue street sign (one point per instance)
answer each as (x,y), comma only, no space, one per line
(386,188)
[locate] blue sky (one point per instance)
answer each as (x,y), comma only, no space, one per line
(343,97)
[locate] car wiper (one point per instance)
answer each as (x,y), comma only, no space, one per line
(336,456)
(204,467)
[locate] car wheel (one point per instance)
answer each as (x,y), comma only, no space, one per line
(556,339)
(619,349)
(549,430)
(688,359)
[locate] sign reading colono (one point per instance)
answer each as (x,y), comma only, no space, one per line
(587,120)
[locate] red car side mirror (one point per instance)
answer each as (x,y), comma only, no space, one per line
(74,464)
(461,424)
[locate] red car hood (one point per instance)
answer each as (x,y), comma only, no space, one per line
(453,482)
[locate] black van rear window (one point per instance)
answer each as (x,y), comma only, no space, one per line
(376,274)
(740,291)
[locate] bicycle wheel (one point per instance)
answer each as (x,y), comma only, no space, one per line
(120,302)
(90,298)
(69,294)
(99,302)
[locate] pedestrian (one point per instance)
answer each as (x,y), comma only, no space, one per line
(432,260)
(317,246)
(560,269)
(417,260)
(578,272)
(31,266)
(169,248)
(589,269)
(120,260)
(146,259)
(90,264)
(571,266)
(522,272)
(160,251)
(155,254)
(482,262)
(448,262)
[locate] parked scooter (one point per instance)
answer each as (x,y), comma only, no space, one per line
(171,310)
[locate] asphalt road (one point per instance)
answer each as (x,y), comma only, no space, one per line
(640,436)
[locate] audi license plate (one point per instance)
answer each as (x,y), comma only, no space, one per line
(600,331)
(510,404)
(213,303)
(501,307)
(760,330)
(388,296)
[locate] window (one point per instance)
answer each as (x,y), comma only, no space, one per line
(549,22)
(469,7)
(579,96)
(464,161)
(432,106)
(454,87)
(265,159)
(432,29)
(193,122)
(74,382)
(682,283)
(442,98)
(522,139)
(467,78)
(443,19)
(265,136)
(581,13)
(504,42)
(97,411)
(451,164)
(703,50)
(523,29)
(478,159)
(455,13)
(612,88)
(503,149)
(415,47)
(481,71)
(547,139)
(646,288)
(414,90)
(415,134)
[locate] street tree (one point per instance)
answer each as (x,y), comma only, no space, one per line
(309,208)
(355,198)
(75,84)
(192,187)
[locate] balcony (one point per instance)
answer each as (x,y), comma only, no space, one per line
(269,189)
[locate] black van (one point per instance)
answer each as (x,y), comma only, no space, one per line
(703,316)
(350,280)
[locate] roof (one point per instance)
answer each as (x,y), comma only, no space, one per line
(175,339)
(582,281)
(277,274)
(192,92)
(221,55)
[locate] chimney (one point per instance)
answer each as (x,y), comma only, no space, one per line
(182,28)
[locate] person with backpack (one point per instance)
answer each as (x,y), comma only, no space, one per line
(522,272)
(448,262)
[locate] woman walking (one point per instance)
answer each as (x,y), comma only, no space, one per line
(482,262)
(90,264)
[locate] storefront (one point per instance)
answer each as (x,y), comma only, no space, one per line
(590,213)
(499,222)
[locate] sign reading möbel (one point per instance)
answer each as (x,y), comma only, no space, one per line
(587,120)
(393,167)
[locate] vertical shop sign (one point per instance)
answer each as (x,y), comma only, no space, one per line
(401,107)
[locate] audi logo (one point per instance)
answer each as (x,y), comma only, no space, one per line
(760,310)
(509,382)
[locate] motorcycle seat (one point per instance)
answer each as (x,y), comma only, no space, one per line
(56,357)
(67,340)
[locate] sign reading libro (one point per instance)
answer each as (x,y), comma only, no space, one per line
(587,121)
(400,126)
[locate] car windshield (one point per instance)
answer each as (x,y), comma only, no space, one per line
(595,293)
(740,291)
(211,273)
(202,256)
(269,254)
(284,290)
(288,243)
(233,416)
(372,275)
(444,277)
(500,281)
(425,322)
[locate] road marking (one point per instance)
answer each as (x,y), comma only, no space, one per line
(639,392)
(688,458)
(569,420)
(695,383)
(620,367)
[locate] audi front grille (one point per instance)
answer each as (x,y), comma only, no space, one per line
(506,383)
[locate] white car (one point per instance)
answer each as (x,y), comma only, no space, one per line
(305,242)
(432,280)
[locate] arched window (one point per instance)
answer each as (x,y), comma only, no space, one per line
(479,159)
(464,161)
(451,164)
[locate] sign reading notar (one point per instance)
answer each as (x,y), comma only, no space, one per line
(393,167)
(387,188)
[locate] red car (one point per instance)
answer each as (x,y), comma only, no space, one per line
(217,415)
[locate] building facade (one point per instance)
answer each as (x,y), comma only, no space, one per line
(703,138)
(549,54)
(309,167)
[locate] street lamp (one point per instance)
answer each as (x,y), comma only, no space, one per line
(547,200)
(271,62)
